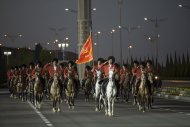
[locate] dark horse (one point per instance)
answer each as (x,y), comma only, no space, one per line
(70,89)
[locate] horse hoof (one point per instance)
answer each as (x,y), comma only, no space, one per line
(69,107)
(73,107)
(96,109)
(58,110)
(54,110)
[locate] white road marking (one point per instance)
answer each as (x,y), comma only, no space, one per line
(46,121)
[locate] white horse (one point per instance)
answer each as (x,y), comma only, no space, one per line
(98,94)
(111,91)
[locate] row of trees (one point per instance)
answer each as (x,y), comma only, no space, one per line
(177,66)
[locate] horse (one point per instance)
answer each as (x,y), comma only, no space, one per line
(87,86)
(126,87)
(70,89)
(19,87)
(151,87)
(143,93)
(22,88)
(111,91)
(134,83)
(31,89)
(98,92)
(38,90)
(55,93)
(12,87)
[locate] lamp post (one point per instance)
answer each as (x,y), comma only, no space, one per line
(130,55)
(112,38)
(129,29)
(97,42)
(64,45)
(156,22)
(154,40)
(7,53)
(120,3)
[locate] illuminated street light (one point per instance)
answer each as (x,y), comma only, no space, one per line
(97,42)
(13,37)
(112,38)
(64,45)
(7,53)
(184,6)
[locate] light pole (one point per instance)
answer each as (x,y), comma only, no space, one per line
(64,45)
(154,40)
(129,29)
(130,54)
(7,53)
(97,42)
(112,38)
(120,3)
(156,22)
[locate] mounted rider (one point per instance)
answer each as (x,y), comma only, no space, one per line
(71,68)
(106,66)
(52,69)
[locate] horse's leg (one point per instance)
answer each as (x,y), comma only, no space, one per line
(112,102)
(109,106)
(106,106)
(59,101)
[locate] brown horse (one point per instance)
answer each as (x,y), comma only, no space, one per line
(22,88)
(38,90)
(55,93)
(151,87)
(87,86)
(143,93)
(70,89)
(125,91)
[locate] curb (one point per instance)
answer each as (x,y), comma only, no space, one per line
(172,97)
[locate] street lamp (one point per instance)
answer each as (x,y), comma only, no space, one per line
(13,37)
(97,41)
(129,29)
(7,53)
(120,3)
(130,55)
(112,38)
(184,6)
(75,11)
(156,22)
(64,45)
(154,39)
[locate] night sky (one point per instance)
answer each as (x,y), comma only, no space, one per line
(32,18)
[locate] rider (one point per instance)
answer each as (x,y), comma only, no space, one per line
(52,68)
(70,67)
(38,68)
(109,64)
(29,71)
(10,74)
(150,71)
(87,74)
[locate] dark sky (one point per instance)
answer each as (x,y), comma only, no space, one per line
(33,17)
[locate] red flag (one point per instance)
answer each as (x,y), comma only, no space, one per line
(86,54)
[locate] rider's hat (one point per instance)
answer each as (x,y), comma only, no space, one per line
(136,62)
(100,59)
(113,59)
(55,60)
(71,62)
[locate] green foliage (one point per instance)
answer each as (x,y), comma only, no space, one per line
(45,56)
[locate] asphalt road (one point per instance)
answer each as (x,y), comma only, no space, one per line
(165,113)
